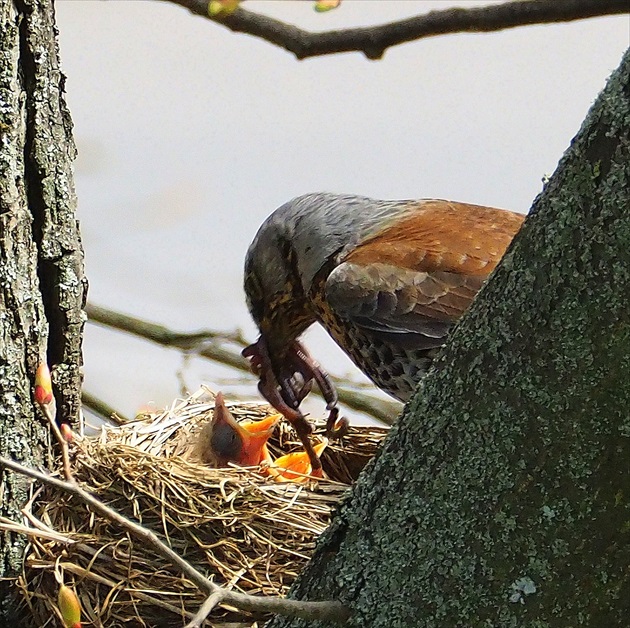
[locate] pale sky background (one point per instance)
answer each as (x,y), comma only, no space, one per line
(190,135)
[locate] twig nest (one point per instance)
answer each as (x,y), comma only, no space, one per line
(246,530)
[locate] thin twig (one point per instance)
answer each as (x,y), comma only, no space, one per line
(158,333)
(207,345)
(49,413)
(10,526)
(88,574)
(374,41)
(102,408)
(385,412)
(331,611)
(206,608)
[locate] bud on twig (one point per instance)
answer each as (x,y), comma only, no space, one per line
(43,391)
(70,607)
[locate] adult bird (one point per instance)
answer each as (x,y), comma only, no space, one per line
(386,279)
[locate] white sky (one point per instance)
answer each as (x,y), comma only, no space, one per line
(190,135)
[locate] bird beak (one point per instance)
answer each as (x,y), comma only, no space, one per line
(255,435)
(226,440)
(294,467)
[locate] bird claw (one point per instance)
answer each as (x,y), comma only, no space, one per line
(288,388)
(303,363)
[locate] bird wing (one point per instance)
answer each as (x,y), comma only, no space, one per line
(411,281)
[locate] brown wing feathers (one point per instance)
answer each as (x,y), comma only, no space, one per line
(419,275)
(442,236)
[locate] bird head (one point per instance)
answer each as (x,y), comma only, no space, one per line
(285,370)
(274,292)
(296,243)
(223,440)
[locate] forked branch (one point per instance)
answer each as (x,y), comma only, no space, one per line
(375,40)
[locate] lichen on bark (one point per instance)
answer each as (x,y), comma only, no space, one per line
(42,284)
(501,498)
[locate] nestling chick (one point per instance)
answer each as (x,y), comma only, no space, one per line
(223,440)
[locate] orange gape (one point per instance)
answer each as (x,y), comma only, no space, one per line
(223,440)
(294,467)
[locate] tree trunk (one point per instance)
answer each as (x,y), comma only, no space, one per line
(42,285)
(502,496)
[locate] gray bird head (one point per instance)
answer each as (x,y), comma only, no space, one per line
(306,236)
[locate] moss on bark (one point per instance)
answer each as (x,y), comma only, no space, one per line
(42,285)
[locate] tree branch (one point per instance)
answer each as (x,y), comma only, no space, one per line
(374,41)
(330,611)
(102,408)
(207,344)
(158,333)
(206,608)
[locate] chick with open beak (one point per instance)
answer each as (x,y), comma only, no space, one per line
(224,440)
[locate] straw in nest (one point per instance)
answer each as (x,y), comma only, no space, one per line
(248,532)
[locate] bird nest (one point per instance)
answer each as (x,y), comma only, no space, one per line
(245,531)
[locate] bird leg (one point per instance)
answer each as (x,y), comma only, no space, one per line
(303,429)
(284,393)
(285,387)
(304,364)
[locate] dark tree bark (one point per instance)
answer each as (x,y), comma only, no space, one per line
(42,285)
(502,496)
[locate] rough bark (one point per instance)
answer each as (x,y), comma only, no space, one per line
(501,498)
(42,285)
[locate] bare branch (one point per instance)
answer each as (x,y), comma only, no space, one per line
(374,41)
(205,343)
(9,525)
(385,412)
(158,333)
(331,611)
(210,345)
(206,608)
(102,408)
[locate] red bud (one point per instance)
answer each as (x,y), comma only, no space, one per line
(66,432)
(43,385)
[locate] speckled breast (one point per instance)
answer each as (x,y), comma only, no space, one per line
(393,369)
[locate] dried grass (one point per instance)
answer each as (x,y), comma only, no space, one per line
(246,531)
